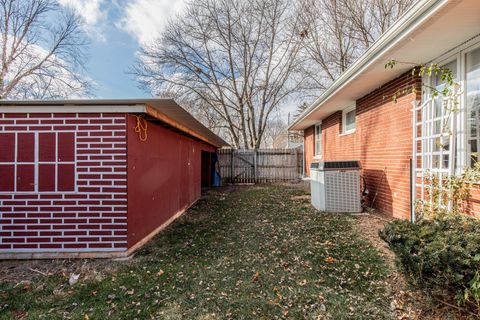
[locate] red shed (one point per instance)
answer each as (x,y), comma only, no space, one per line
(96,178)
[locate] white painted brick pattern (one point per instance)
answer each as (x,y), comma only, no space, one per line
(94,217)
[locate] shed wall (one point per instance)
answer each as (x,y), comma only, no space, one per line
(70,183)
(164,178)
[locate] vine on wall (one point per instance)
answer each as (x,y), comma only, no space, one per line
(448,196)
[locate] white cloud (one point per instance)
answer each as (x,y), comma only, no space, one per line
(145,19)
(91,13)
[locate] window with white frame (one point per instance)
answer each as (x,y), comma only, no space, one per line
(318,140)
(440,128)
(441,122)
(348,120)
(447,128)
(37,161)
(472,103)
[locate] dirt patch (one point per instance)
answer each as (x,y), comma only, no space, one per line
(369,226)
(297,198)
(21,271)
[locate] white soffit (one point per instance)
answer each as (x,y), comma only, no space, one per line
(450,24)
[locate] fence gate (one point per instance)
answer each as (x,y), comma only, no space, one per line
(243,166)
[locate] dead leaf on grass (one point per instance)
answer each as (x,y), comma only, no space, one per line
(329,260)
(19,314)
(27,285)
(303,282)
(255,277)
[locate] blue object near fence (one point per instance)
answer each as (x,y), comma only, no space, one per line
(217,179)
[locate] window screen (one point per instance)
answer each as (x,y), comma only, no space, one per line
(318,140)
(350,121)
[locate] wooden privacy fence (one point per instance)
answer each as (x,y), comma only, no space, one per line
(260,165)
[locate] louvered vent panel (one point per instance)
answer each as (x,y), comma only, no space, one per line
(342,191)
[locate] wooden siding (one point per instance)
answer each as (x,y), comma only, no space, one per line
(260,166)
(164,177)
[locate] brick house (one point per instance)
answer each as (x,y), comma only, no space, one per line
(357,118)
(96,178)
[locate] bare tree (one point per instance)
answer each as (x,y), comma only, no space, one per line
(237,57)
(300,108)
(370,18)
(277,135)
(42,51)
(276,132)
(339,31)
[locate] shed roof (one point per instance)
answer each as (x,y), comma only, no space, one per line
(165,111)
(429,29)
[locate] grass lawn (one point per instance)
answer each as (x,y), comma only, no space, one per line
(256,253)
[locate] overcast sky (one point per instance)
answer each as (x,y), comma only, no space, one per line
(116,30)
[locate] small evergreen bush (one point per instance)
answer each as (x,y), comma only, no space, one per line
(442,254)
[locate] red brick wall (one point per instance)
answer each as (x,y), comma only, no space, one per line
(382,142)
(473,206)
(90,217)
(164,177)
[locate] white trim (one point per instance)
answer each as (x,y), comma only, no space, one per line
(316,154)
(15,149)
(73,109)
(344,120)
(465,153)
(36,163)
(348,133)
(459,53)
(424,145)
(36,155)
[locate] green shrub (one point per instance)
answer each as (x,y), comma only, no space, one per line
(441,254)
